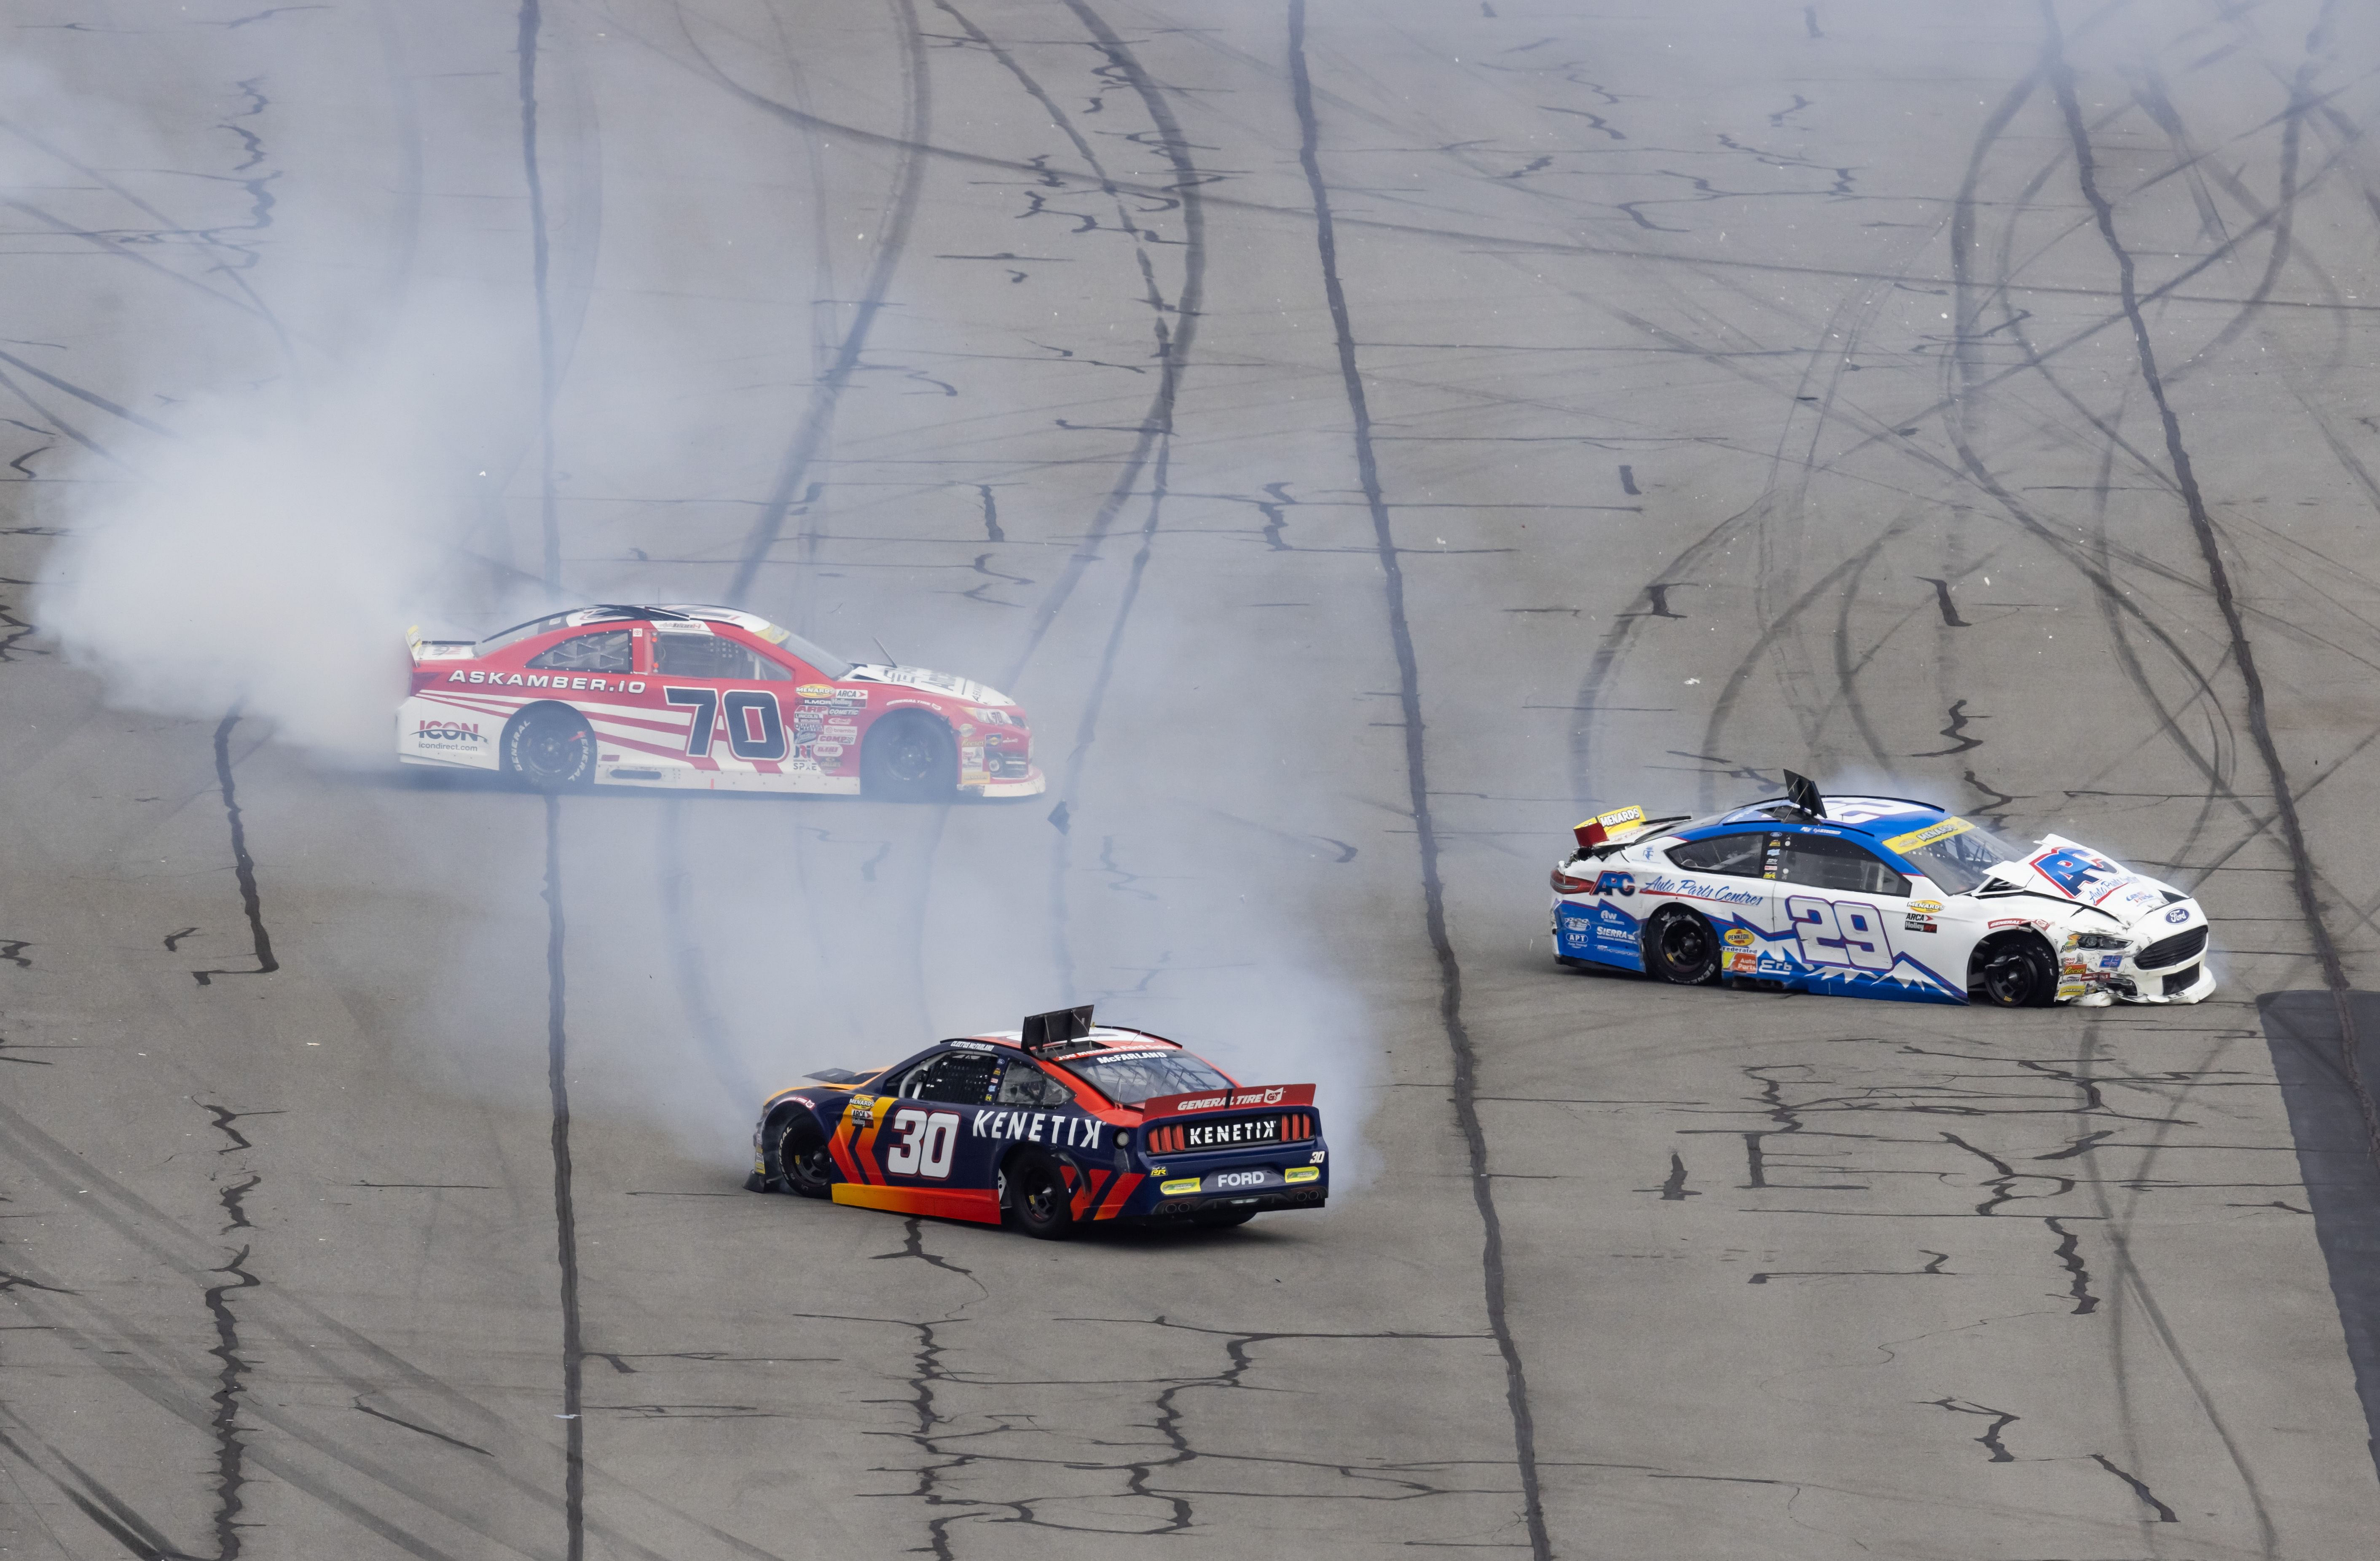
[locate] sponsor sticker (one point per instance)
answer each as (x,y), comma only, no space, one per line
(1742,937)
(975,1045)
(1924,908)
(1185,1184)
(1920,924)
(1918,839)
(1301,1173)
(827,749)
(1742,962)
(2011,922)
(1243,1181)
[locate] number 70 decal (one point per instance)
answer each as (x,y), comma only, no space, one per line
(1840,933)
(756,727)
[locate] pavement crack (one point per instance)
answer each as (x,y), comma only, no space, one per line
(251,901)
(2140,1488)
(1990,1440)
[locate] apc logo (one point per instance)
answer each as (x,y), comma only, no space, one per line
(1615,883)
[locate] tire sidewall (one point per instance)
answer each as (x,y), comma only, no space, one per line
(1022,1173)
(2040,989)
(522,727)
(785,1137)
(1656,934)
(876,760)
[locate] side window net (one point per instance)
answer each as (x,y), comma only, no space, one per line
(1829,862)
(612,651)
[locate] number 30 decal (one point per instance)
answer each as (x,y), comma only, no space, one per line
(927,1139)
(1840,933)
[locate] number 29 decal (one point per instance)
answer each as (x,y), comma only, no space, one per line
(756,726)
(1840,933)
(927,1139)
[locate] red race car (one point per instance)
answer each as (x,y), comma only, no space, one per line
(1048,1128)
(707,698)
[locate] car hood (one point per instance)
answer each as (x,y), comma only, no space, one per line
(2062,868)
(921,677)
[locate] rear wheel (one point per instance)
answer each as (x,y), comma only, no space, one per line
(798,1160)
(2017,972)
(1680,947)
(909,758)
(1038,1200)
(551,748)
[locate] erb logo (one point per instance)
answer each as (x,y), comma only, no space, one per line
(1615,883)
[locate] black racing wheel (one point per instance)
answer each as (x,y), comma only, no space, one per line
(798,1160)
(550,748)
(1038,1200)
(1680,947)
(2015,971)
(909,757)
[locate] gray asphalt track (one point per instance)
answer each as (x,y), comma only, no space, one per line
(1365,436)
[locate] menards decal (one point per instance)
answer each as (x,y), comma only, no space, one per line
(554,680)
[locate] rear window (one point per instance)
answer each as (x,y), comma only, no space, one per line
(1130,1077)
(1743,856)
(518,632)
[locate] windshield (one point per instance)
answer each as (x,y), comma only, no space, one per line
(1956,854)
(826,661)
(1130,1077)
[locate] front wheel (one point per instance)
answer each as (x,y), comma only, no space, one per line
(1038,1200)
(798,1160)
(550,748)
(1680,947)
(2016,972)
(909,758)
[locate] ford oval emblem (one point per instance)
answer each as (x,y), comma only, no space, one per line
(2179,913)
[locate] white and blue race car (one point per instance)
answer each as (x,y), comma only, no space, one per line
(1873,896)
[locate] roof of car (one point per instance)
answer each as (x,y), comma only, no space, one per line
(1102,1038)
(1874,816)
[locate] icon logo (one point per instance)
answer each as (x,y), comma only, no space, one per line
(2179,913)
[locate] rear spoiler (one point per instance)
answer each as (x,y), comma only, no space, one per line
(436,649)
(1618,827)
(1238,1098)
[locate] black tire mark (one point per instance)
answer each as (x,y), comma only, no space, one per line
(1172,349)
(1173,352)
(566,1217)
(2219,580)
(1450,968)
(251,902)
(548,522)
(909,183)
(2062,80)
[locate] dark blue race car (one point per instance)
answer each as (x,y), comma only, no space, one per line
(1049,1127)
